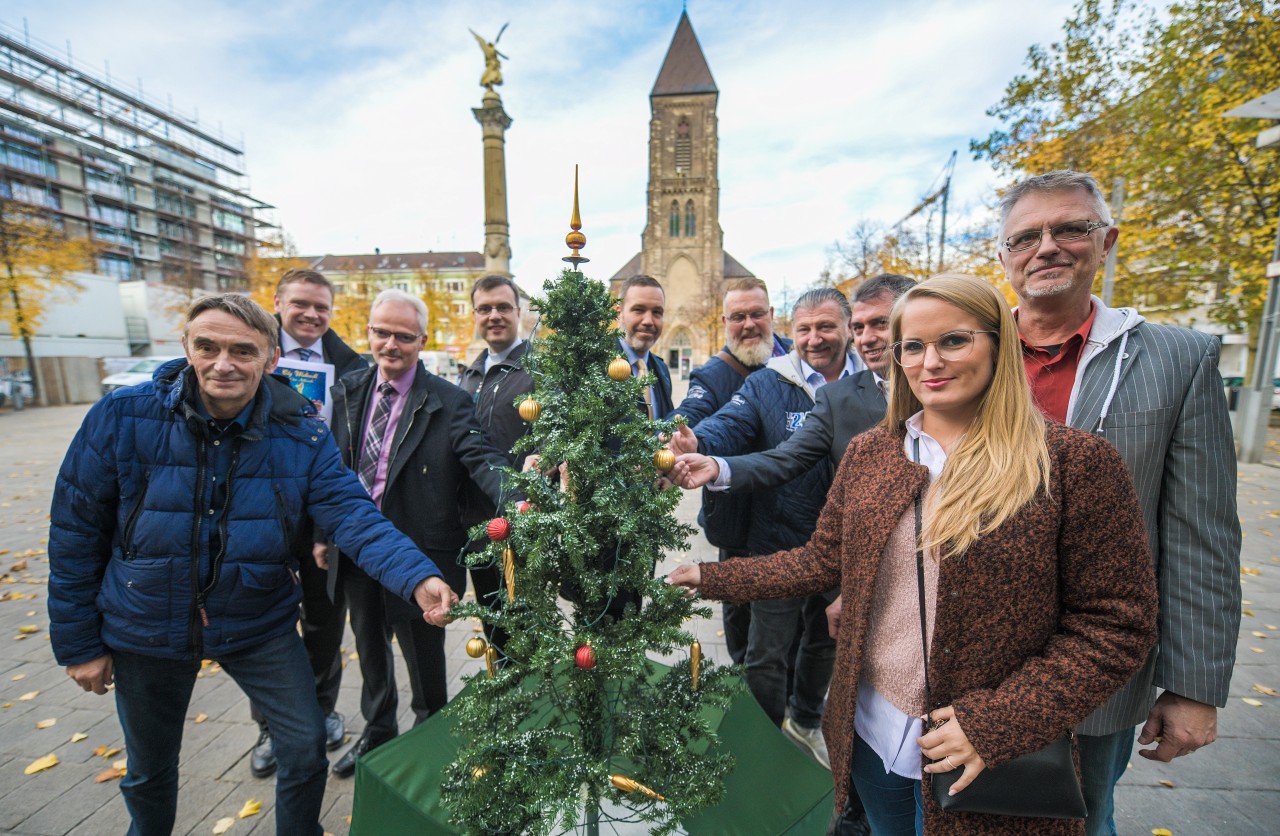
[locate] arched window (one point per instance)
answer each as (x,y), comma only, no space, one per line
(690,220)
(674,222)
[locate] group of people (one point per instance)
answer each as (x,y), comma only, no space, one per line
(1072,467)
(1031,527)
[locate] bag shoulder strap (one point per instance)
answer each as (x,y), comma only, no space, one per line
(733,363)
(924,628)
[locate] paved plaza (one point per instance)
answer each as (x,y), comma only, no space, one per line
(1227,788)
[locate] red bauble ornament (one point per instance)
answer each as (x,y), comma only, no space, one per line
(523,505)
(585,658)
(498,529)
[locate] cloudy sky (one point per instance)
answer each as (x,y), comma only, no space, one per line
(355,115)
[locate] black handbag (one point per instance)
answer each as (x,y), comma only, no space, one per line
(1042,783)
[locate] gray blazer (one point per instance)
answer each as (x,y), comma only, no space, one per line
(841,410)
(1154,392)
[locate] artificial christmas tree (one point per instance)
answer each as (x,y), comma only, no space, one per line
(575,725)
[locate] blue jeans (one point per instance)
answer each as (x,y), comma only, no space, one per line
(1103,760)
(774,626)
(152,696)
(893,803)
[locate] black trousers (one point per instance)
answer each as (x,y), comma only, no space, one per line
(421,643)
(323,622)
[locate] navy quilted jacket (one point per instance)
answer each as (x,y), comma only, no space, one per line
(130,567)
(770,406)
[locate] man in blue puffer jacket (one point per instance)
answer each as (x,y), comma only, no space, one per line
(771,405)
(174,523)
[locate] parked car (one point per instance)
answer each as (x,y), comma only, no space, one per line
(139,372)
(15,388)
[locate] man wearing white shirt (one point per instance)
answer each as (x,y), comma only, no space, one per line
(303,304)
(773,404)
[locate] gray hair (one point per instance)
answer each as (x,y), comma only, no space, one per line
(401,298)
(1065,180)
(813,298)
(242,308)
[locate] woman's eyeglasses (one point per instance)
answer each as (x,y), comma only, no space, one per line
(953,345)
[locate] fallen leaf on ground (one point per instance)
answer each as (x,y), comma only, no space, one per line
(1168,784)
(1250,570)
(20,637)
(1262,689)
(107,752)
(78,736)
(44,724)
(200,718)
(1271,627)
(1247,612)
(250,808)
(18,677)
(1161,831)
(41,764)
(1259,634)
(121,764)
(30,695)
(1257,650)
(222,826)
(108,775)
(1251,701)
(19,566)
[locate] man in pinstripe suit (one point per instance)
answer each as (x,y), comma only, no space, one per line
(1155,393)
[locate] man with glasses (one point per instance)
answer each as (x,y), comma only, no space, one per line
(414,441)
(1155,393)
(749,343)
(495,380)
(303,305)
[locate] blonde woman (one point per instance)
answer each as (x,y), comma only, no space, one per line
(1040,597)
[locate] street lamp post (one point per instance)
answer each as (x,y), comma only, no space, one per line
(1255,401)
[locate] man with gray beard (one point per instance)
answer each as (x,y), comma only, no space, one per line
(750,343)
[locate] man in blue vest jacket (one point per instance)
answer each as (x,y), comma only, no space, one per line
(175,525)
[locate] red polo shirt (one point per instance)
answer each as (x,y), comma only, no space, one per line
(1051,370)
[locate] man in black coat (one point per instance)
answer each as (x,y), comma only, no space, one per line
(414,438)
(303,304)
(495,380)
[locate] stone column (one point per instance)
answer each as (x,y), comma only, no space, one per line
(494,122)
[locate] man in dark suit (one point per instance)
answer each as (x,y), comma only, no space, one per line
(414,441)
(303,304)
(1154,392)
(641,303)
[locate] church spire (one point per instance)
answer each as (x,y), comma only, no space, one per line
(685,69)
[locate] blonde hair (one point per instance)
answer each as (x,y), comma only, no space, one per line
(1002,460)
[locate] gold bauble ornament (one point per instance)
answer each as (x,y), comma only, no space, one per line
(479,772)
(491,660)
(509,571)
(530,410)
(695,661)
(476,646)
(619,369)
(664,460)
(625,784)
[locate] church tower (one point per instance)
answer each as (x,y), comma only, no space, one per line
(682,243)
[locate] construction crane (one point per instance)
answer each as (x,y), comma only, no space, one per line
(942,192)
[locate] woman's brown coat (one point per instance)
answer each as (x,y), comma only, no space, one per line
(1036,625)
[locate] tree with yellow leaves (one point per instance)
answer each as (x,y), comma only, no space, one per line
(36,262)
(1136,92)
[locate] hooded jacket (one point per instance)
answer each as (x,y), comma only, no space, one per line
(130,567)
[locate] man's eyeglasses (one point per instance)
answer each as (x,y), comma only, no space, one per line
(485,310)
(1069,231)
(755,316)
(403,339)
(953,345)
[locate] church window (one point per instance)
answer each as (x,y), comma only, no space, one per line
(674,222)
(690,220)
(684,148)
